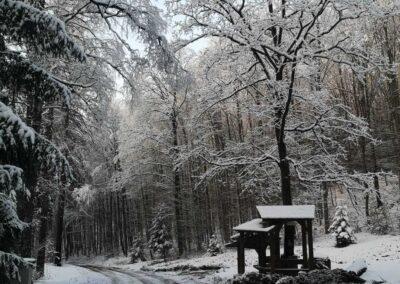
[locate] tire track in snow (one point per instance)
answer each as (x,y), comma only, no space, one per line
(129,277)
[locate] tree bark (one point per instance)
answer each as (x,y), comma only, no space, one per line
(59,225)
(59,217)
(285,191)
(177,190)
(44,215)
(26,210)
(326,208)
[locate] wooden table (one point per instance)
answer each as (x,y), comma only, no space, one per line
(254,235)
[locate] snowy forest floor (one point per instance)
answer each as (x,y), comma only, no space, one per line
(381,253)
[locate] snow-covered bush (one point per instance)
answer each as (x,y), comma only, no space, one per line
(10,225)
(379,221)
(341,229)
(160,239)
(137,251)
(214,247)
(10,265)
(318,276)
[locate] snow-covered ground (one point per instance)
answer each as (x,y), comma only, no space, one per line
(71,274)
(381,253)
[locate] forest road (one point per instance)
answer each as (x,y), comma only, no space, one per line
(129,276)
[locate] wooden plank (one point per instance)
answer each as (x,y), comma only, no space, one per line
(232,244)
(255,225)
(267,268)
(235,236)
(289,262)
(285,271)
(253,240)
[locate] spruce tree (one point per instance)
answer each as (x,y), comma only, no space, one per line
(341,229)
(160,239)
(23,151)
(378,222)
(137,251)
(214,247)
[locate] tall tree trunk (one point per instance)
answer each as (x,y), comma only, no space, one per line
(59,224)
(44,202)
(285,191)
(31,171)
(59,216)
(124,223)
(379,202)
(177,190)
(365,169)
(34,118)
(326,208)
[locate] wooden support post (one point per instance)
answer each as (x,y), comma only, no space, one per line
(310,244)
(272,251)
(304,243)
(262,257)
(240,251)
(275,247)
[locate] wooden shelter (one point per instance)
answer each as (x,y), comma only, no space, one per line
(260,233)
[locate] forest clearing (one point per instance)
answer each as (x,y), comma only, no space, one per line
(198,141)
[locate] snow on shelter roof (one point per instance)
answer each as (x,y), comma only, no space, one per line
(287,212)
(255,225)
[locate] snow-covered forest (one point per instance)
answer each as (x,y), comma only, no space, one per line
(136,134)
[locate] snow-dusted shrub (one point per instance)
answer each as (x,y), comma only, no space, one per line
(11,185)
(214,246)
(254,277)
(10,265)
(137,251)
(320,276)
(160,239)
(341,229)
(379,221)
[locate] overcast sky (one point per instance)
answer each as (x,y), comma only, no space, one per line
(196,46)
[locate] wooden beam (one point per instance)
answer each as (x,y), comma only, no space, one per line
(272,251)
(240,254)
(275,247)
